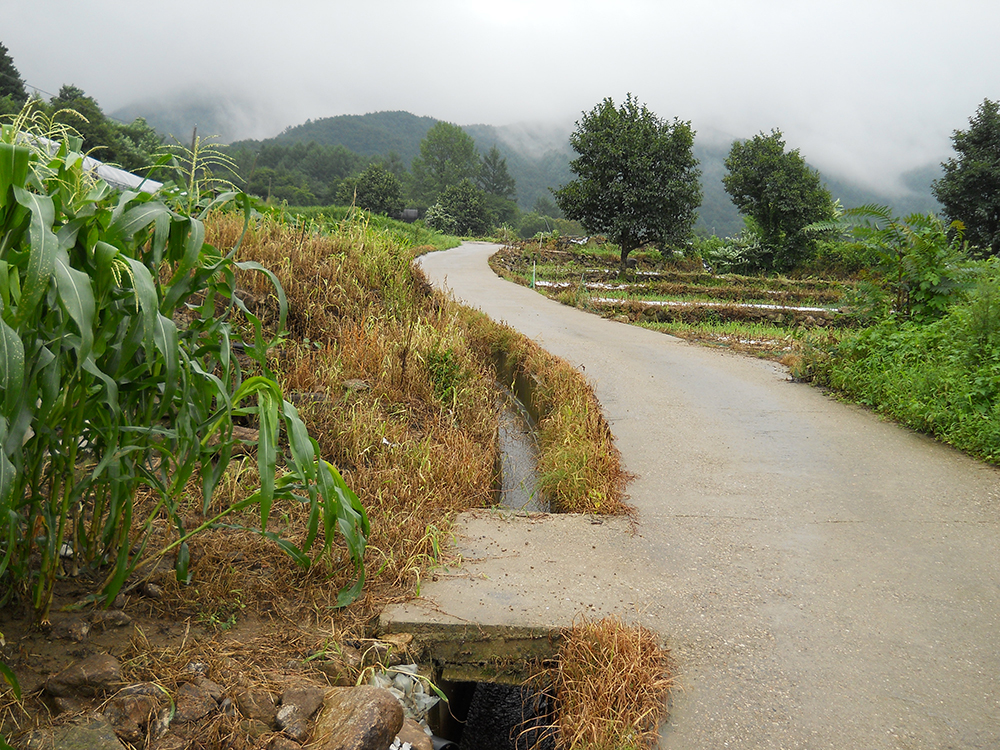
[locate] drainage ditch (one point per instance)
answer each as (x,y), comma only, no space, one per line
(484,670)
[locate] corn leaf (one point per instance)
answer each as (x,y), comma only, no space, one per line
(77,297)
(42,257)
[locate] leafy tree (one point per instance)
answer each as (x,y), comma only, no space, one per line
(376,189)
(447,156)
(969,191)
(11,83)
(494,178)
(637,179)
(461,209)
(545,206)
(130,146)
(781,193)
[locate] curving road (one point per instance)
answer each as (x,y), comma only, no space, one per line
(824,579)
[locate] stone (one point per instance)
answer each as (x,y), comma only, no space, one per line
(74,629)
(212,688)
(88,677)
(292,723)
(360,718)
(413,733)
(96,735)
(307,697)
(131,714)
(171,742)
(256,703)
(110,618)
(193,703)
(283,743)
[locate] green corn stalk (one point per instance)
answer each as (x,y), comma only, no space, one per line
(101,391)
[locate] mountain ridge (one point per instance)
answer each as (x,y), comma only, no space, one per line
(538,157)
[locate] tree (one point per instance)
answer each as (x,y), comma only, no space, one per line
(781,193)
(969,191)
(11,83)
(447,156)
(461,209)
(129,146)
(376,189)
(637,178)
(494,178)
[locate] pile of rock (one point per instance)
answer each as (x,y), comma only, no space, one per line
(305,713)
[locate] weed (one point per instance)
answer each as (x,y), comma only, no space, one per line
(610,687)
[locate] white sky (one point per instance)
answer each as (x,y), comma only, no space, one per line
(866,89)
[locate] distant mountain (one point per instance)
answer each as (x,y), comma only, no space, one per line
(375,134)
(537,156)
(224,117)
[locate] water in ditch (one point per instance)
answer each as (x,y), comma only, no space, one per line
(518,458)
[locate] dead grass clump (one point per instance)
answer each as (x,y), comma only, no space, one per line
(610,687)
(384,380)
(579,466)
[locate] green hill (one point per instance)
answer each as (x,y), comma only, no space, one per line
(537,156)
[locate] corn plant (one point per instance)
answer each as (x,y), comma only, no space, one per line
(117,371)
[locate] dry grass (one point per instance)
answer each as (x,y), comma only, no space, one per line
(361,323)
(580,467)
(610,687)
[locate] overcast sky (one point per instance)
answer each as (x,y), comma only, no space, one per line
(868,89)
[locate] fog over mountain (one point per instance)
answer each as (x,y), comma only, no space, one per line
(867,90)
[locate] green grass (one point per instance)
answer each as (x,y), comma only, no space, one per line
(942,378)
(415,235)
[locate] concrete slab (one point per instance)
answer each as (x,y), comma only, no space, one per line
(523,578)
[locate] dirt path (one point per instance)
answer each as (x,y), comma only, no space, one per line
(825,579)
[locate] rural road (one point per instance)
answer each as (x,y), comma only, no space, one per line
(824,579)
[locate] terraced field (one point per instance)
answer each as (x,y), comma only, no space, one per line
(757,314)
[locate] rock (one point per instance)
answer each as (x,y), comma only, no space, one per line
(291,721)
(110,618)
(68,705)
(131,714)
(171,742)
(253,729)
(88,677)
(193,703)
(96,735)
(255,703)
(151,590)
(307,697)
(283,743)
(212,688)
(361,718)
(74,629)
(413,733)
(341,667)
(298,703)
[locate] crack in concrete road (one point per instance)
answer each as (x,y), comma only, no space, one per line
(823,578)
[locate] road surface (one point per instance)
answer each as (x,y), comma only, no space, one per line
(824,579)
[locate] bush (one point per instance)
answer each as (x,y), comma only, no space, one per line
(461,209)
(941,377)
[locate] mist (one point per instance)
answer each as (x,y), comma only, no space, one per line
(866,90)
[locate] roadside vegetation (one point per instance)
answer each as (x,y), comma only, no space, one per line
(249,408)
(248,413)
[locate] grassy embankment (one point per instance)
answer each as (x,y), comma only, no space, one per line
(397,384)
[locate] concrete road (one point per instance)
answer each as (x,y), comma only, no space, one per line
(824,579)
